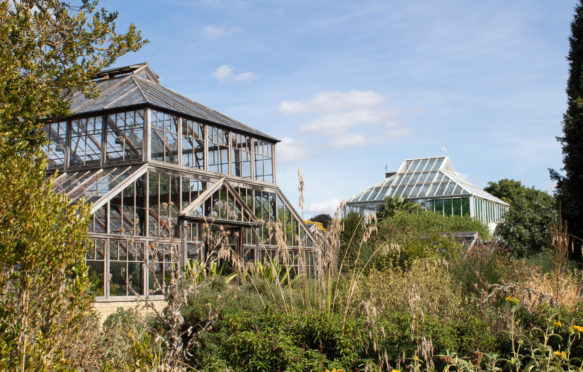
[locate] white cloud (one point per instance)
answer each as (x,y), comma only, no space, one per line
(289,149)
(349,140)
(225,73)
(328,207)
(245,76)
(331,124)
(289,107)
(353,118)
(332,102)
(214,32)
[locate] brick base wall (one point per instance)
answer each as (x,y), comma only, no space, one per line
(105,309)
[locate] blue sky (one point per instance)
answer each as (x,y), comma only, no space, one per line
(352,87)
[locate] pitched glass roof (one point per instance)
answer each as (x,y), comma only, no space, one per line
(420,179)
(137,84)
(95,184)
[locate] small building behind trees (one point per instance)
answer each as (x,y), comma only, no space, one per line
(433,183)
(169,180)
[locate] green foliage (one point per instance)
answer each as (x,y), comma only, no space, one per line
(126,342)
(249,335)
(526,227)
(353,252)
(48,49)
(43,278)
(403,238)
(570,184)
(427,222)
(393,205)
(324,219)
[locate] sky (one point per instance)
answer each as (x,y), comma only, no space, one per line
(352,88)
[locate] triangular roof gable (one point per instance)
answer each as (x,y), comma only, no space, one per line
(208,193)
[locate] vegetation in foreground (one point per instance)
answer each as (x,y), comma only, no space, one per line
(415,302)
(392,294)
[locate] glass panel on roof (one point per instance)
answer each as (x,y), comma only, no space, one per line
(428,177)
(440,191)
(100,183)
(413,166)
(423,190)
(457,190)
(422,165)
(405,179)
(413,191)
(431,164)
(450,187)
(367,195)
(70,180)
(381,192)
(399,190)
(397,179)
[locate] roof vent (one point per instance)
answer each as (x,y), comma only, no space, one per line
(389,174)
(118,72)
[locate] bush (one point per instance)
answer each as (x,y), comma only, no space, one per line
(126,342)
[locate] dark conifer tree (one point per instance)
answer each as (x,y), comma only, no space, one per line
(570,184)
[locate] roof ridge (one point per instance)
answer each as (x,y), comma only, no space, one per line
(121,79)
(245,127)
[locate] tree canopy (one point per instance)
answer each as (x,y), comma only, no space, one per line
(527,225)
(393,205)
(324,219)
(570,184)
(48,50)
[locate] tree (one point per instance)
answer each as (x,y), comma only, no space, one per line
(324,219)
(48,49)
(570,184)
(393,205)
(527,225)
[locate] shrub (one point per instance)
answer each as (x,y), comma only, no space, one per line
(126,342)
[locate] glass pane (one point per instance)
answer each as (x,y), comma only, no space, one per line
(96,275)
(57,135)
(447,207)
(154,204)
(117,281)
(135,278)
(157,145)
(102,183)
(439,206)
(466,206)
(457,207)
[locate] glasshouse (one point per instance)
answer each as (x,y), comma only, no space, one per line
(433,183)
(169,181)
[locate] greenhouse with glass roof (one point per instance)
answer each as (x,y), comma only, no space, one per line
(169,181)
(433,183)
